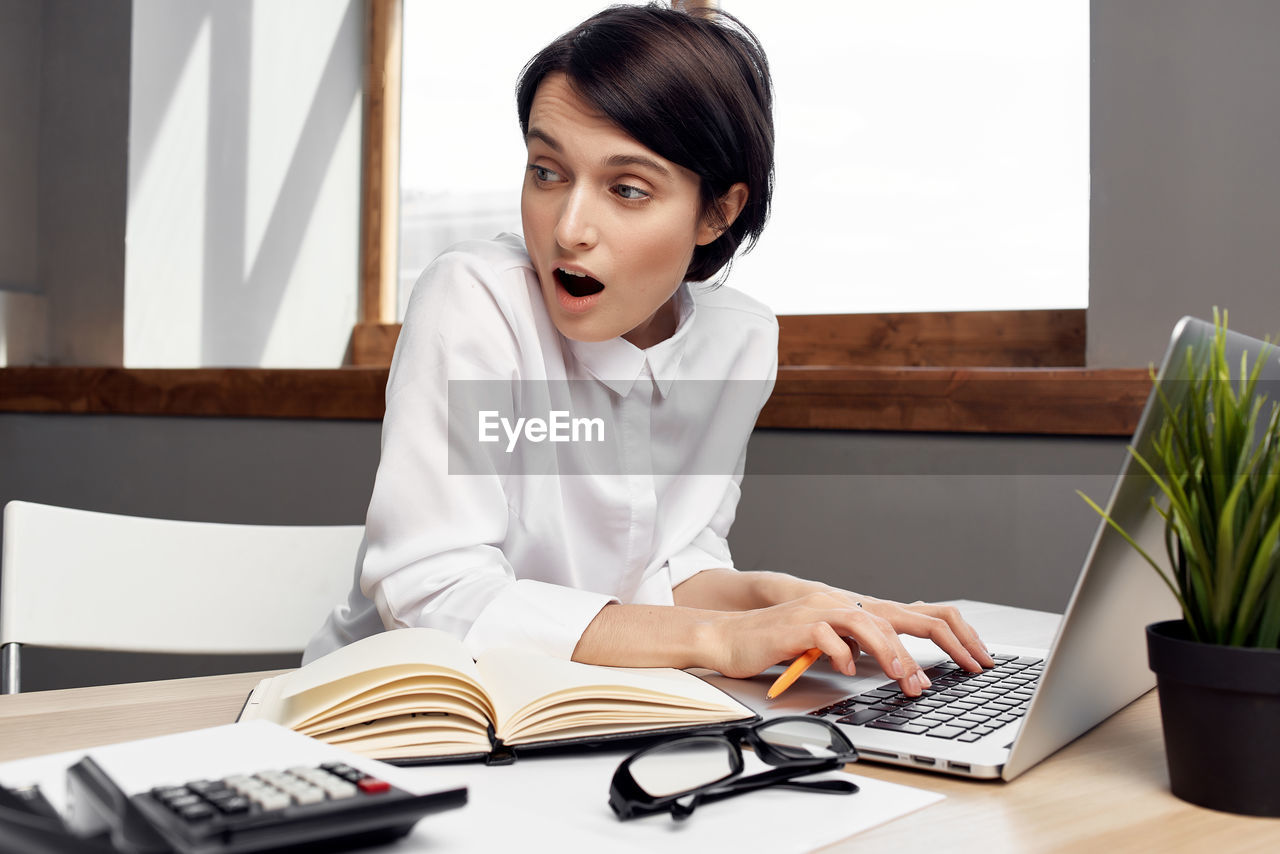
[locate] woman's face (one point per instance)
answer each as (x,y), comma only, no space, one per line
(610,225)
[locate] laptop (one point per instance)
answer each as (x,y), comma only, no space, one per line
(1000,723)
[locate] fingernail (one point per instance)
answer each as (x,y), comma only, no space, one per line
(913,681)
(925,681)
(895,669)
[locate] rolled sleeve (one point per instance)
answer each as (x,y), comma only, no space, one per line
(696,557)
(535,615)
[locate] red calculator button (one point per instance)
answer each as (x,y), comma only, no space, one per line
(372,785)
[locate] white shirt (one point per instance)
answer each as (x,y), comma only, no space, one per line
(523,547)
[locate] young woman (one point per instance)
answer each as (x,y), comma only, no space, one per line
(650,162)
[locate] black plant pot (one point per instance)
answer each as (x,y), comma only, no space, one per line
(1220,706)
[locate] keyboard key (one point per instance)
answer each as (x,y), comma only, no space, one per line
(913,729)
(862,717)
(945,732)
(969,737)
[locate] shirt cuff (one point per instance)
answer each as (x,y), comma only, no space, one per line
(536,615)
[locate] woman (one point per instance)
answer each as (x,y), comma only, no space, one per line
(650,162)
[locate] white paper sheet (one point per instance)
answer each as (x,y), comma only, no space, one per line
(560,805)
(551,804)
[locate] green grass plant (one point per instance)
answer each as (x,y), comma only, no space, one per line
(1219,477)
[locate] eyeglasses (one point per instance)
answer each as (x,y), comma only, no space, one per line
(678,775)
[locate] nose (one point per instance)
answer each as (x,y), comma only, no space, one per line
(575,228)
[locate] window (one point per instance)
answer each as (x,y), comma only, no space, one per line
(462,159)
(932,155)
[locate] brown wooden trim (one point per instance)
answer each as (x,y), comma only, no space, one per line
(355,393)
(380,188)
(372,344)
(1062,401)
(1004,339)
(969,339)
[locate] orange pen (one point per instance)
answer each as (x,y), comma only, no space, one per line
(792,673)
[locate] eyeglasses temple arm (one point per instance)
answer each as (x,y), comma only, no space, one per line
(783,777)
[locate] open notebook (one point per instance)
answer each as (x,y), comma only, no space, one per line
(414,695)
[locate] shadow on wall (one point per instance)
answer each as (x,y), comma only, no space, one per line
(24,327)
(244,113)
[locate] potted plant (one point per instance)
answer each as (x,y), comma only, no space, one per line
(1216,464)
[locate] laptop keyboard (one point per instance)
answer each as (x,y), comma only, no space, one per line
(959,705)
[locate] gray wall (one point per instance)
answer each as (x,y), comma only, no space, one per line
(1185,169)
(19,141)
(84,144)
(64,103)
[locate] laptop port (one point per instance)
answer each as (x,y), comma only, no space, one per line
(862,751)
(959,766)
(925,760)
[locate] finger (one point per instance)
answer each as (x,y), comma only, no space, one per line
(877,637)
(829,641)
(959,635)
(855,649)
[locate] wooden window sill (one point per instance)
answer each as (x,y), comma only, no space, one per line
(1045,401)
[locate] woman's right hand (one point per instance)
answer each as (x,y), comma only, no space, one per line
(842,624)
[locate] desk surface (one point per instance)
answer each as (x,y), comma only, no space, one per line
(1107,791)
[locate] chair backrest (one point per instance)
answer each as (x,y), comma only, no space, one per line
(84,580)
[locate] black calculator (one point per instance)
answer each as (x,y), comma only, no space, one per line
(327,807)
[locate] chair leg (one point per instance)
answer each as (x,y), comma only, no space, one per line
(10,669)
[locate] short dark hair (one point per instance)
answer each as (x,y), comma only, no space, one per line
(691,86)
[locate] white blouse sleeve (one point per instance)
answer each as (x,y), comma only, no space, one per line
(434,538)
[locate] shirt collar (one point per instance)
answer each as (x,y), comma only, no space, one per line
(618,363)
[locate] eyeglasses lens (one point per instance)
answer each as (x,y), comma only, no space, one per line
(682,766)
(801,739)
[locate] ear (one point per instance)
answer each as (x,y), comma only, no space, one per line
(730,205)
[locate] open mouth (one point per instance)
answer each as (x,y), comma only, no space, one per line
(578,284)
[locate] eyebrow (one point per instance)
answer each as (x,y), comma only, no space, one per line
(613,160)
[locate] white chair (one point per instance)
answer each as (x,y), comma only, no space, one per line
(76,579)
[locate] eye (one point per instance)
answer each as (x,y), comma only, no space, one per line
(543,175)
(629,193)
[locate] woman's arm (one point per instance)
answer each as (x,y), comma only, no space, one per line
(721,622)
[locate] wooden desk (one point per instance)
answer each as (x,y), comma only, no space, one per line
(1106,792)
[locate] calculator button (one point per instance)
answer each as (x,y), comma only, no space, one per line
(339,790)
(233,806)
(311,796)
(372,785)
(164,793)
(272,800)
(197,812)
